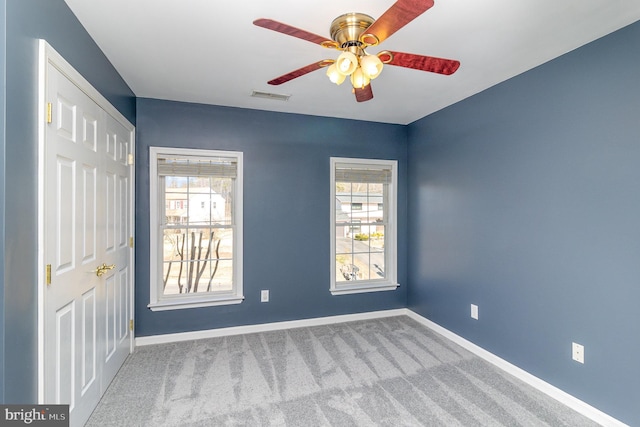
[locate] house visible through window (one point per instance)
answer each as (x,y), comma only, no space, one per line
(363,209)
(196,228)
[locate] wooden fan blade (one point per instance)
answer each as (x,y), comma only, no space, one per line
(363,94)
(300,72)
(397,16)
(280,27)
(419,62)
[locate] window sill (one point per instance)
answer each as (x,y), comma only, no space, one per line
(179,304)
(343,290)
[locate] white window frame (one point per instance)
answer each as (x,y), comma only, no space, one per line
(158,301)
(391,235)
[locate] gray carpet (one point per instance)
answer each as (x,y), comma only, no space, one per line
(385,372)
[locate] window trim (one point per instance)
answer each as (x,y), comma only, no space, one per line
(391,252)
(158,301)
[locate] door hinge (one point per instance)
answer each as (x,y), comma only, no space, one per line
(130,159)
(49,112)
(131,324)
(131,241)
(48,274)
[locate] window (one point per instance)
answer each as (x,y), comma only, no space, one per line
(363,220)
(196,228)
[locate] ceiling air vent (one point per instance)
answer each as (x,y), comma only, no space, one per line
(268,95)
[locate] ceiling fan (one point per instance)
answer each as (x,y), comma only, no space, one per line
(353,33)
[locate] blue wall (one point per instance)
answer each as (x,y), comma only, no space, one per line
(26,22)
(286,208)
(525,200)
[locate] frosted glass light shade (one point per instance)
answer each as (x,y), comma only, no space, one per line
(359,79)
(346,63)
(334,75)
(371,66)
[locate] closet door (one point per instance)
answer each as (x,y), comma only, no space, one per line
(87,213)
(115,247)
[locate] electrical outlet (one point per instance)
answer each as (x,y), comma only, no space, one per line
(474,311)
(264,295)
(577,352)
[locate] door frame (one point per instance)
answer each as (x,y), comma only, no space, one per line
(48,56)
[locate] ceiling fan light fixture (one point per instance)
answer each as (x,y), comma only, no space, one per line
(352,34)
(371,66)
(334,75)
(346,63)
(358,79)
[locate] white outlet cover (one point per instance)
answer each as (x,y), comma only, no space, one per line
(577,352)
(264,295)
(474,311)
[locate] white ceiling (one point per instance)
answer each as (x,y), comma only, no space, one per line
(208,51)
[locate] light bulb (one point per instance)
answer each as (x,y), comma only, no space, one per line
(371,66)
(346,63)
(358,79)
(334,75)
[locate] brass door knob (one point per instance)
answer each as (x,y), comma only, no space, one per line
(103,269)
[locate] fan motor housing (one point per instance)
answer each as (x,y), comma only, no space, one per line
(346,29)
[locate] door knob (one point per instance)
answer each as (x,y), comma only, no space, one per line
(103,269)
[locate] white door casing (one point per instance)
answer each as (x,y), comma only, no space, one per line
(85,221)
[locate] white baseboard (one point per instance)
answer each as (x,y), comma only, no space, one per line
(266,327)
(543,386)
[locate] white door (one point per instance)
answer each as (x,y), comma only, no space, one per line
(87,217)
(116,250)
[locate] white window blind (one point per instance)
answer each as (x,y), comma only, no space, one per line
(364,175)
(192,166)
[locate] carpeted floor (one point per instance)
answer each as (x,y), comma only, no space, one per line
(386,372)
